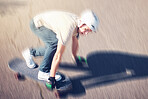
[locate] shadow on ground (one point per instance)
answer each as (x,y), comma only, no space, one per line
(105,68)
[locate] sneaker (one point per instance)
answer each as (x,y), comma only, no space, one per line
(45,76)
(28,58)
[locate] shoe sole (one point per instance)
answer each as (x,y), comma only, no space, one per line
(39,78)
(58,79)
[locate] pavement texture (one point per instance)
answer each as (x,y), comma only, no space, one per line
(117,54)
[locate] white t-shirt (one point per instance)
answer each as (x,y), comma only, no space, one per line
(62,23)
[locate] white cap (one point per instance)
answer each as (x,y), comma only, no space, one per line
(89,18)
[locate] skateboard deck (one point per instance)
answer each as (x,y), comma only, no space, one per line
(21,71)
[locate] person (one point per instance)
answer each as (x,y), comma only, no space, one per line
(55,29)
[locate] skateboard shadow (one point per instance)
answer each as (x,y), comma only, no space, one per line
(107,68)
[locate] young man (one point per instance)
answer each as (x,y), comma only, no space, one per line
(55,29)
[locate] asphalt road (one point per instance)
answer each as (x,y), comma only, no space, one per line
(117,54)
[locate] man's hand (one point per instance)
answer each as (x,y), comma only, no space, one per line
(80,61)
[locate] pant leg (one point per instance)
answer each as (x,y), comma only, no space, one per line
(40,51)
(50,41)
(45,65)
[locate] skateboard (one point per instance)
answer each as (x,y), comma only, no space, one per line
(21,71)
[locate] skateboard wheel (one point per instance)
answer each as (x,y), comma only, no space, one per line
(17,75)
(49,86)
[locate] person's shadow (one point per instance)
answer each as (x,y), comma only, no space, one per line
(105,68)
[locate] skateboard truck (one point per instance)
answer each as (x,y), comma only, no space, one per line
(62,87)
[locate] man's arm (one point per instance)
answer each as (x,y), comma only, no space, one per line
(56,59)
(75,46)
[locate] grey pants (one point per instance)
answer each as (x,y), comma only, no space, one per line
(50,41)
